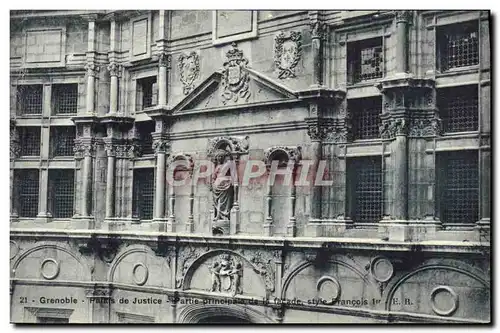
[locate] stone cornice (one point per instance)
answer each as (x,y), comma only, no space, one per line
(321,93)
(360,244)
(403,82)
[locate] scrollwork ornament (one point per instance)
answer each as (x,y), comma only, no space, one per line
(425,128)
(265,267)
(189,70)
(393,127)
(92,69)
(287,53)
(235,78)
(161,146)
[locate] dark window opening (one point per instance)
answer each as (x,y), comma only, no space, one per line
(62,139)
(365,60)
(26,184)
(458,107)
(143,193)
(458,186)
(458,45)
(365,116)
(146,93)
(145,130)
(65,98)
(30,99)
(61,192)
(29,138)
(365,189)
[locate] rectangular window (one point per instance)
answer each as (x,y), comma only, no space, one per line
(146,93)
(65,98)
(143,197)
(458,186)
(365,189)
(458,45)
(26,184)
(145,130)
(30,99)
(62,140)
(29,138)
(61,192)
(458,107)
(365,60)
(365,115)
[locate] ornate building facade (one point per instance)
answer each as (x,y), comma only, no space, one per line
(396,103)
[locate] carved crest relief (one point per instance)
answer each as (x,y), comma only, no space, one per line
(226,274)
(235,79)
(287,53)
(189,69)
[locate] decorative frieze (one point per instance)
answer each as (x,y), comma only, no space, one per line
(235,78)
(164,60)
(189,70)
(390,128)
(287,53)
(114,69)
(92,69)
(425,127)
(84,147)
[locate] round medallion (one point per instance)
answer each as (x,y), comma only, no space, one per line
(49,269)
(444,301)
(14,249)
(381,269)
(140,273)
(328,289)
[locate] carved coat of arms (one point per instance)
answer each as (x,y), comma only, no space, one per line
(287,53)
(234,78)
(189,69)
(226,275)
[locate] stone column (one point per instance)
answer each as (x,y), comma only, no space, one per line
(114,70)
(163,63)
(400,184)
(92,71)
(86,179)
(43,209)
(268,225)
(402,19)
(318,34)
(291,229)
(160,183)
(190,222)
(110,181)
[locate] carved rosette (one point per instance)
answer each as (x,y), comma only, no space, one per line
(392,127)
(425,127)
(235,78)
(114,69)
(164,60)
(287,53)
(189,70)
(92,69)
(263,263)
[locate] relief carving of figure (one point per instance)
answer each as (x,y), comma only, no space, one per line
(226,275)
(222,186)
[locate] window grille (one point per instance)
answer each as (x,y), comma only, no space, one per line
(61,191)
(62,140)
(459,187)
(365,116)
(365,60)
(30,99)
(27,184)
(458,108)
(365,178)
(30,141)
(146,93)
(143,193)
(459,45)
(65,98)
(145,130)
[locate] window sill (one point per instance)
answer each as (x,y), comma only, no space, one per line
(364,83)
(458,71)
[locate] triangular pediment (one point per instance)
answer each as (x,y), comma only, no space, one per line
(214,93)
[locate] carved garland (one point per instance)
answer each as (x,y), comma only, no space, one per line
(235,79)
(189,69)
(287,53)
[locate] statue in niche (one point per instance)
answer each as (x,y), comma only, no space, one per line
(222,189)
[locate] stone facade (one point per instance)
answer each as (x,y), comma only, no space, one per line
(247,86)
